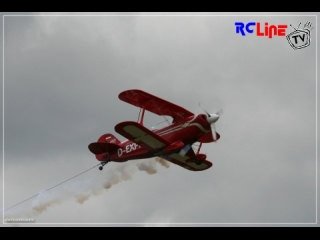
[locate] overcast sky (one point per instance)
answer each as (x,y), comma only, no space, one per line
(62,76)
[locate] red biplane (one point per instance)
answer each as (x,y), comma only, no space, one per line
(173,142)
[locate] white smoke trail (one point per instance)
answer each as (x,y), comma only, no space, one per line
(163,162)
(149,167)
(82,191)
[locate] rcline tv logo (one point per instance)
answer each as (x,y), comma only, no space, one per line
(268,31)
(300,38)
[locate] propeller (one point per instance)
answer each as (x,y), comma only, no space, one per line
(214,133)
(212,118)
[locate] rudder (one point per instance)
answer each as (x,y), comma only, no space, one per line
(109,138)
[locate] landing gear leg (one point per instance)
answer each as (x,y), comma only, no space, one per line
(199,162)
(102,164)
(199,147)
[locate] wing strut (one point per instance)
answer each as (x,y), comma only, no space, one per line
(156,105)
(142,115)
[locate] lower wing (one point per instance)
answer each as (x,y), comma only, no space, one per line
(141,135)
(189,161)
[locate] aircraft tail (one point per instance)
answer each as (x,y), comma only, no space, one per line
(105,145)
(109,138)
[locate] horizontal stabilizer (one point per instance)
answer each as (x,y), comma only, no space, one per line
(102,147)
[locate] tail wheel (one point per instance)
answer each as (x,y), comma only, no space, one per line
(102,164)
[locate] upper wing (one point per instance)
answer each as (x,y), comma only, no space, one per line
(154,104)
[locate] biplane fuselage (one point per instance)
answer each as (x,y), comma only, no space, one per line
(173,142)
(188,132)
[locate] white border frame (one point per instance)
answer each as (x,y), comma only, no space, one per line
(161,15)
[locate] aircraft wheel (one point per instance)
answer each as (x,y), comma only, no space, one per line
(198,162)
(100,168)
